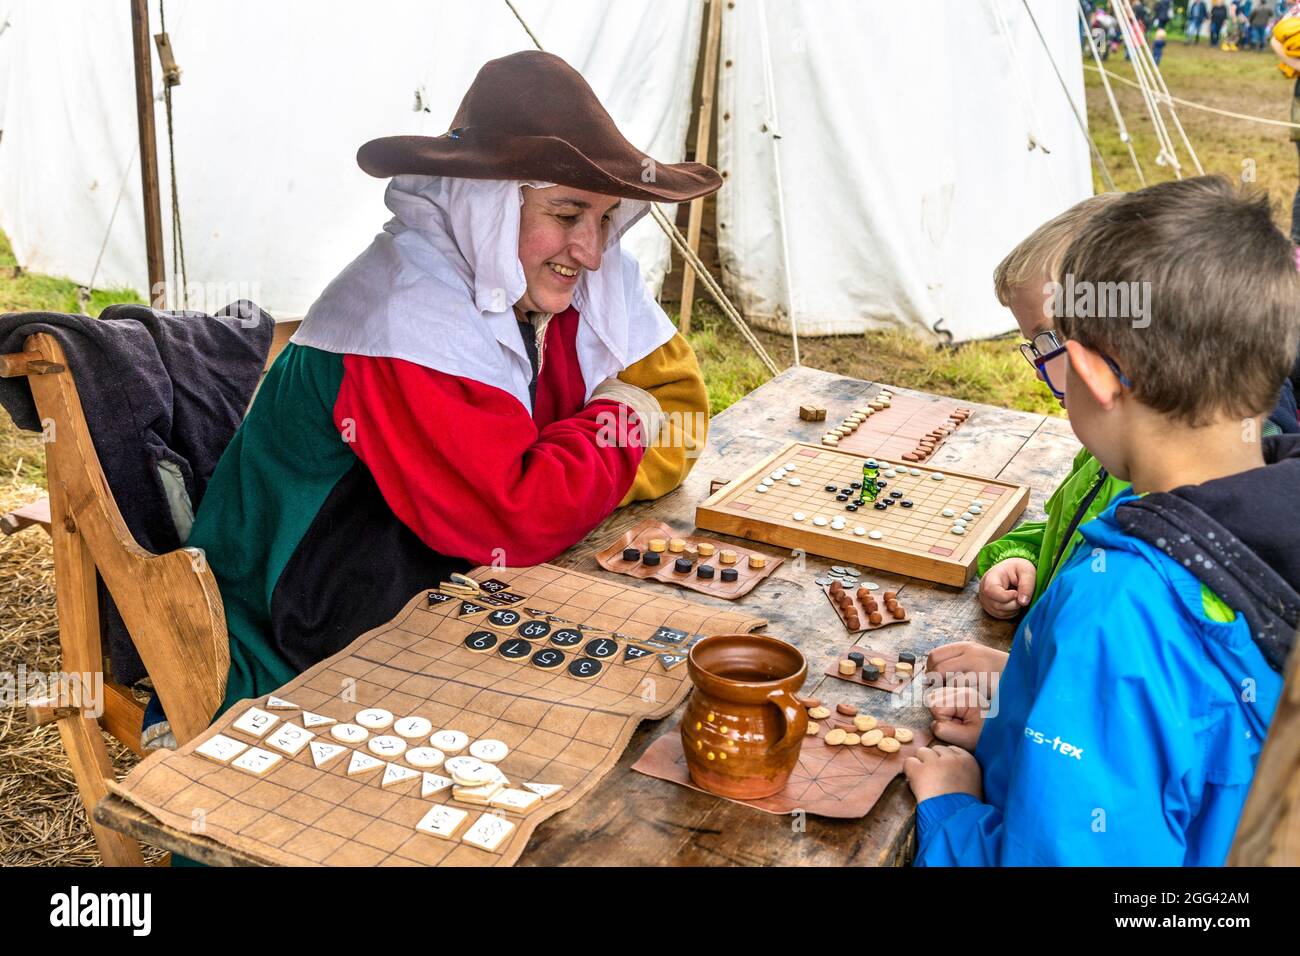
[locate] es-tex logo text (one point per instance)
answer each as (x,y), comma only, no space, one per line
(75,908)
(1056,743)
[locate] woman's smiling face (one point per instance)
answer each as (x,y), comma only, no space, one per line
(562,231)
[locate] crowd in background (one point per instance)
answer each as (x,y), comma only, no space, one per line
(1224,24)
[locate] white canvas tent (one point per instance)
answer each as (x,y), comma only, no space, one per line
(904,167)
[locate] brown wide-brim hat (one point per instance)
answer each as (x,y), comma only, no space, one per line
(532,116)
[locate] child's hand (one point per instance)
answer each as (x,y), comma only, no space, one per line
(958,715)
(962,658)
(1007,587)
(935,771)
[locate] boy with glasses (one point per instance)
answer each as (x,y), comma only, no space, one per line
(1139,689)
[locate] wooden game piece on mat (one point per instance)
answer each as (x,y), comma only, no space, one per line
(395,774)
(909,537)
(434,783)
(256,761)
(442,821)
(279,703)
(695,568)
(349,733)
(871,615)
(883,665)
(221,748)
(255,722)
(544,790)
(488,832)
(323,753)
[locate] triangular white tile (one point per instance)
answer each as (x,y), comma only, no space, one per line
(316,720)
(362,763)
(323,754)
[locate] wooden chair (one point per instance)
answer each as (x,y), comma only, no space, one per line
(170,603)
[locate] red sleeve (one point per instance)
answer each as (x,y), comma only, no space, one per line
(464,466)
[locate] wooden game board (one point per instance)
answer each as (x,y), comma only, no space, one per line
(610,558)
(560,729)
(916,541)
(840,782)
(895,431)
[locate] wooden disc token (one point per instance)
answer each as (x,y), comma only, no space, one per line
(548,659)
(727,556)
(426,758)
(534,630)
(658,544)
(864,722)
(903,735)
(374,718)
(566,637)
(488,750)
(515,648)
(847,668)
(585,668)
(601,648)
(888,745)
(872,737)
(757,561)
(480,642)
(705,549)
(412,727)
(819,713)
(851,740)
(677,545)
(504,617)
(813,728)
(451,742)
(848,710)
(835,737)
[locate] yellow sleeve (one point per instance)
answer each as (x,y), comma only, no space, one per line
(672,375)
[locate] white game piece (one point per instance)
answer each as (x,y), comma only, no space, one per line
(449,741)
(544,790)
(890,473)
(387,746)
(947,512)
(789,466)
(958,529)
(837,524)
(289,739)
(434,783)
(412,727)
(349,733)
(767,483)
(974,509)
(798,516)
(914,472)
(875,535)
(255,722)
(976,504)
(323,754)
(279,703)
(426,758)
(316,720)
(491,751)
(470,771)
(960,522)
(859,531)
(479,795)
(872,586)
(762,489)
(520,801)
(256,761)
(362,763)
(488,832)
(374,718)
(967,516)
(819,521)
(872,463)
(442,821)
(936,476)
(795,482)
(777,475)
(395,774)
(221,748)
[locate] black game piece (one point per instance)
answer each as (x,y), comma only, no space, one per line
(881,484)
(880,506)
(906,504)
(888,502)
(669,635)
(870,672)
(906,657)
(841,497)
(481,641)
(548,659)
(469,607)
(831,488)
(669,661)
(634,653)
(895,494)
(601,648)
(850,507)
(650,559)
(437,597)
(566,637)
(855,485)
(503,618)
(856,657)
(534,630)
(584,668)
(730,574)
(705,571)
(631,554)
(682,565)
(493,585)
(515,648)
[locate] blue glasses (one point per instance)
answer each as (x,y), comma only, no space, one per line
(1047,354)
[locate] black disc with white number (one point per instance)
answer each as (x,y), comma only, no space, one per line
(584,668)
(548,659)
(534,630)
(481,641)
(601,648)
(504,618)
(566,637)
(515,648)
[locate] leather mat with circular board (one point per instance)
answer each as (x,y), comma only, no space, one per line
(842,782)
(697,550)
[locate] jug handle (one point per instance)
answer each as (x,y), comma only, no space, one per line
(791,710)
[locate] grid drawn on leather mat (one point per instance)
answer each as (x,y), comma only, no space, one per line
(560,730)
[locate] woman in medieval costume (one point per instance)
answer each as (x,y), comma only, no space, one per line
(482,385)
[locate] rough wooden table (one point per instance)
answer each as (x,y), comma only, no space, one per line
(630,819)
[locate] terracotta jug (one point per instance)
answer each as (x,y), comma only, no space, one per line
(743,725)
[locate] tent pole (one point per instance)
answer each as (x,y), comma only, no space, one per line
(148,149)
(707,85)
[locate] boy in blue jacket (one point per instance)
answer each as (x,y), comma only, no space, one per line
(1134,704)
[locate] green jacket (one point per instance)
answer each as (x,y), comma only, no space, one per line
(1038,541)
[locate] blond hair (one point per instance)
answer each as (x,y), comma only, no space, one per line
(1037,258)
